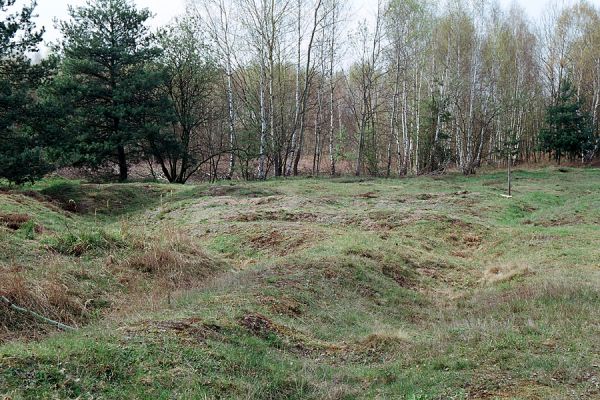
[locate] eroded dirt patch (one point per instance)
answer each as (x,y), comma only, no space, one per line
(282,241)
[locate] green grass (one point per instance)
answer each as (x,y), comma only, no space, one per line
(420,288)
(81,242)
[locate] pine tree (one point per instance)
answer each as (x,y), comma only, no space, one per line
(110,82)
(22,156)
(567,131)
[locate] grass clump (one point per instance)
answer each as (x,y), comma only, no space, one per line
(173,259)
(79,243)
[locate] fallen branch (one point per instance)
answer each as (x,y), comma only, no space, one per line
(15,307)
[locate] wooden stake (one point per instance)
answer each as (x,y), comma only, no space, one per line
(509,176)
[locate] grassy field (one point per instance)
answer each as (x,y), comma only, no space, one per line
(420,288)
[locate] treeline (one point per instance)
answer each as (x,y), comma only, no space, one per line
(254,88)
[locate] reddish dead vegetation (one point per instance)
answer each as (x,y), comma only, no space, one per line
(380,221)
(262,326)
(14,221)
(387,221)
(425,196)
(398,275)
(280,242)
(34,194)
(259,325)
(465,237)
(282,305)
(269,240)
(49,297)
(461,254)
(368,195)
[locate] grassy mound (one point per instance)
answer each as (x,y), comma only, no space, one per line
(76,268)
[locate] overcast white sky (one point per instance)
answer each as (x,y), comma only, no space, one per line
(165,10)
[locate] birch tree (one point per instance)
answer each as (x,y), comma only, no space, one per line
(219,24)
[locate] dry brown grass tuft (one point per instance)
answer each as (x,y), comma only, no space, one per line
(48,297)
(506,272)
(172,260)
(384,338)
(472,240)
(381,345)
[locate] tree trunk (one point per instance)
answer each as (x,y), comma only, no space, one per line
(231,115)
(123,170)
(294,141)
(332,155)
(297,150)
(263,122)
